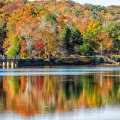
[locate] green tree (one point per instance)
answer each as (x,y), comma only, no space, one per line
(24,1)
(65,34)
(86,49)
(49,17)
(76,37)
(114,31)
(78,13)
(15,48)
(1,4)
(49,22)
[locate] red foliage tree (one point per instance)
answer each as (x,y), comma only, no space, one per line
(13,6)
(39,46)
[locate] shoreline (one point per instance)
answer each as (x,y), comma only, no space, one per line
(61,61)
(56,62)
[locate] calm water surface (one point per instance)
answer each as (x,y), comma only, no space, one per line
(57,93)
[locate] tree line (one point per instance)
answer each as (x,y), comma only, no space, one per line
(58,28)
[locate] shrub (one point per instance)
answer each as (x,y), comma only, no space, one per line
(113,58)
(86,49)
(24,55)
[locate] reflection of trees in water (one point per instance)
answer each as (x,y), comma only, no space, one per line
(40,94)
(29,94)
(2,101)
(114,95)
(72,89)
(2,96)
(1,82)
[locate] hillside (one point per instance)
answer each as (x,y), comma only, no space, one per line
(58,28)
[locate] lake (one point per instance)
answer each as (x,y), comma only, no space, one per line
(60,93)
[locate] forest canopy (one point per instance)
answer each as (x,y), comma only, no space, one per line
(52,28)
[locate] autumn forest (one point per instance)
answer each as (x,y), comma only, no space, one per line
(58,28)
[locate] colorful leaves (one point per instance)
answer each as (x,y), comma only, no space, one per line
(39,46)
(105,40)
(29,20)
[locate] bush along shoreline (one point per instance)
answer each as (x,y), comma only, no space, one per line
(59,61)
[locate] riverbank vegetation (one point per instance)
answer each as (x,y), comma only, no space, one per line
(58,28)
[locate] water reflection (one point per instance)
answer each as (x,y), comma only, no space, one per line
(41,94)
